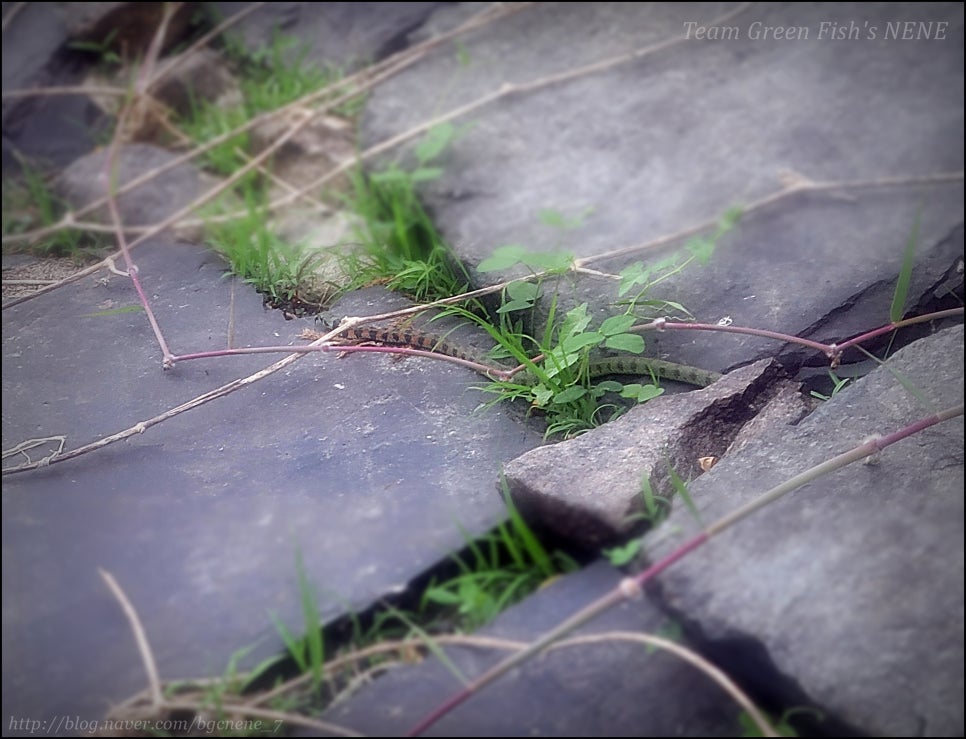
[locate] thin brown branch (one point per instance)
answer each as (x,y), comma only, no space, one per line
(285,184)
(150,63)
(29,282)
(110,164)
(142,426)
(302,120)
(796,185)
(60,283)
(201,42)
(232,704)
(284,717)
(689,656)
(949,313)
(866,449)
(24,446)
(662,324)
(144,648)
(90,90)
(401,646)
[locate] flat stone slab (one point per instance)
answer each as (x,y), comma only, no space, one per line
(610,688)
(88,177)
(366,466)
(589,489)
(695,124)
(847,594)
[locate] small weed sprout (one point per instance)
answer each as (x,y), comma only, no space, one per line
(838,383)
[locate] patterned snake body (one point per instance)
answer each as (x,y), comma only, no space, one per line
(623,365)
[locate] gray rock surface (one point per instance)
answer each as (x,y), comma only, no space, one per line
(853,585)
(86,180)
(124,27)
(614,688)
(40,31)
(678,136)
(40,50)
(202,77)
(847,596)
(51,131)
(373,469)
(588,489)
(344,35)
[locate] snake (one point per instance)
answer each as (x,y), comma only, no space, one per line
(618,365)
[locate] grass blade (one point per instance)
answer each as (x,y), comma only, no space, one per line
(530,542)
(292,644)
(902,380)
(682,490)
(905,275)
(431,645)
(313,623)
